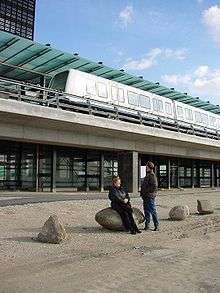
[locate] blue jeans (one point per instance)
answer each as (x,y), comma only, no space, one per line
(150,209)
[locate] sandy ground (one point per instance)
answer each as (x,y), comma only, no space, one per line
(183,257)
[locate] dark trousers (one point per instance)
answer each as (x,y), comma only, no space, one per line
(125,212)
(150,209)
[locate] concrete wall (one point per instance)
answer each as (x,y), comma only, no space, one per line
(32,123)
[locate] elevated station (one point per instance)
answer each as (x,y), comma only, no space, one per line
(46,144)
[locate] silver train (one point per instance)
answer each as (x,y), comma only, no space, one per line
(101,90)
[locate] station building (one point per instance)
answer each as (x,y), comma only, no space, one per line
(46,146)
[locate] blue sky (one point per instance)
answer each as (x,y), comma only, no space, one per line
(174,42)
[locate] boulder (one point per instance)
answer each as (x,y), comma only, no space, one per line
(52,231)
(204,207)
(110,219)
(179,213)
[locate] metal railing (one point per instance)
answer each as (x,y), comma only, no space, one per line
(45,97)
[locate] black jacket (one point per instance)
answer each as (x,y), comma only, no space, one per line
(117,195)
(149,186)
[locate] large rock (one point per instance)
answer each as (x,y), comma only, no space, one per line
(110,219)
(52,231)
(204,207)
(179,213)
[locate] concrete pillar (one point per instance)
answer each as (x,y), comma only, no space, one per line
(102,172)
(128,171)
(53,171)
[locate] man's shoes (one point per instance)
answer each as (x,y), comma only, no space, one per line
(146,227)
(138,231)
(156,228)
(133,232)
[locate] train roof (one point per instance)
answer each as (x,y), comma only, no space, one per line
(28,61)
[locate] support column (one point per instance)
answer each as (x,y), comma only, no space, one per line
(128,171)
(53,171)
(168,175)
(102,172)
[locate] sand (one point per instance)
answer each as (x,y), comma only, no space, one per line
(183,256)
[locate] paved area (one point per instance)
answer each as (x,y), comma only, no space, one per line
(183,257)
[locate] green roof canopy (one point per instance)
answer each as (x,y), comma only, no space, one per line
(25,60)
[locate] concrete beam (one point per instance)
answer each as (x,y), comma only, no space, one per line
(32,123)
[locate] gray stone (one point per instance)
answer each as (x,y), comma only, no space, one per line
(179,213)
(204,207)
(110,219)
(52,231)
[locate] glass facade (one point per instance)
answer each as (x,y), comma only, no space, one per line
(38,167)
(176,173)
(17,17)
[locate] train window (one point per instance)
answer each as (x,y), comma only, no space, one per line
(59,81)
(189,114)
(160,106)
(198,117)
(213,121)
(121,97)
(90,87)
(102,90)
(114,93)
(155,104)
(180,111)
(204,118)
(168,108)
(133,98)
(145,102)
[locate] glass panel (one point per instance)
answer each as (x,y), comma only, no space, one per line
(90,87)
(59,81)
(110,170)
(102,90)
(198,117)
(114,93)
(133,98)
(160,106)
(155,104)
(189,114)
(93,171)
(145,102)
(168,108)
(204,118)
(180,111)
(121,97)
(213,121)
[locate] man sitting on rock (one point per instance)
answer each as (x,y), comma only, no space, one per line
(120,202)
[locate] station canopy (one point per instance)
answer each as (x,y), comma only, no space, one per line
(29,61)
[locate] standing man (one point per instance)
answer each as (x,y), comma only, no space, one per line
(148,193)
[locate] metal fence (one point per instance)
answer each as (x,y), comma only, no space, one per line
(44,97)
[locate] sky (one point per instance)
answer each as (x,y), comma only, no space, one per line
(175,43)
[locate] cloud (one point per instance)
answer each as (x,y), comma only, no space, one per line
(126,16)
(176,79)
(175,54)
(211,18)
(202,81)
(151,58)
(199,1)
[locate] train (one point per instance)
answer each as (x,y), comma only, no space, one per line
(100,90)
